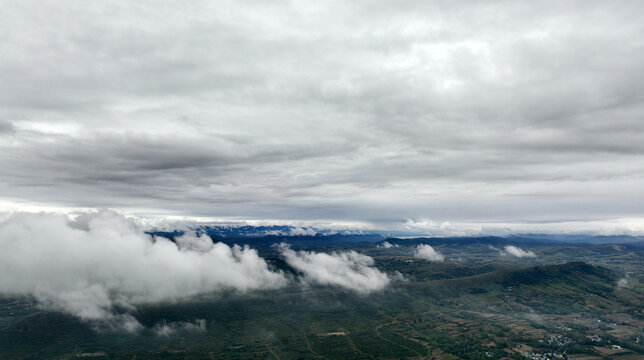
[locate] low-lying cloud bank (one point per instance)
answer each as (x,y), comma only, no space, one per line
(607,227)
(348,269)
(424,251)
(517,252)
(101,261)
(101,265)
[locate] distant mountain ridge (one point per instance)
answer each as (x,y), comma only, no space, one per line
(310,235)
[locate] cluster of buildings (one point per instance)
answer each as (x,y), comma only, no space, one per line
(556,340)
(543,356)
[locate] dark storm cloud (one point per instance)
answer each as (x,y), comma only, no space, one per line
(368,111)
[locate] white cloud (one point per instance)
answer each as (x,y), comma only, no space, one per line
(517,251)
(444,228)
(387,245)
(348,269)
(293,231)
(427,252)
(89,266)
(619,226)
(298,231)
(191,242)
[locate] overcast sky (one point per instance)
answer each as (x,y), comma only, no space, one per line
(391,114)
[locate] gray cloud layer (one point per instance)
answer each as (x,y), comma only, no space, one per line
(477,111)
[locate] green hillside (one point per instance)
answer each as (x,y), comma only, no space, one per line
(488,315)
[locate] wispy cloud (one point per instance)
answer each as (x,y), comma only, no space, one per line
(517,252)
(387,245)
(166,329)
